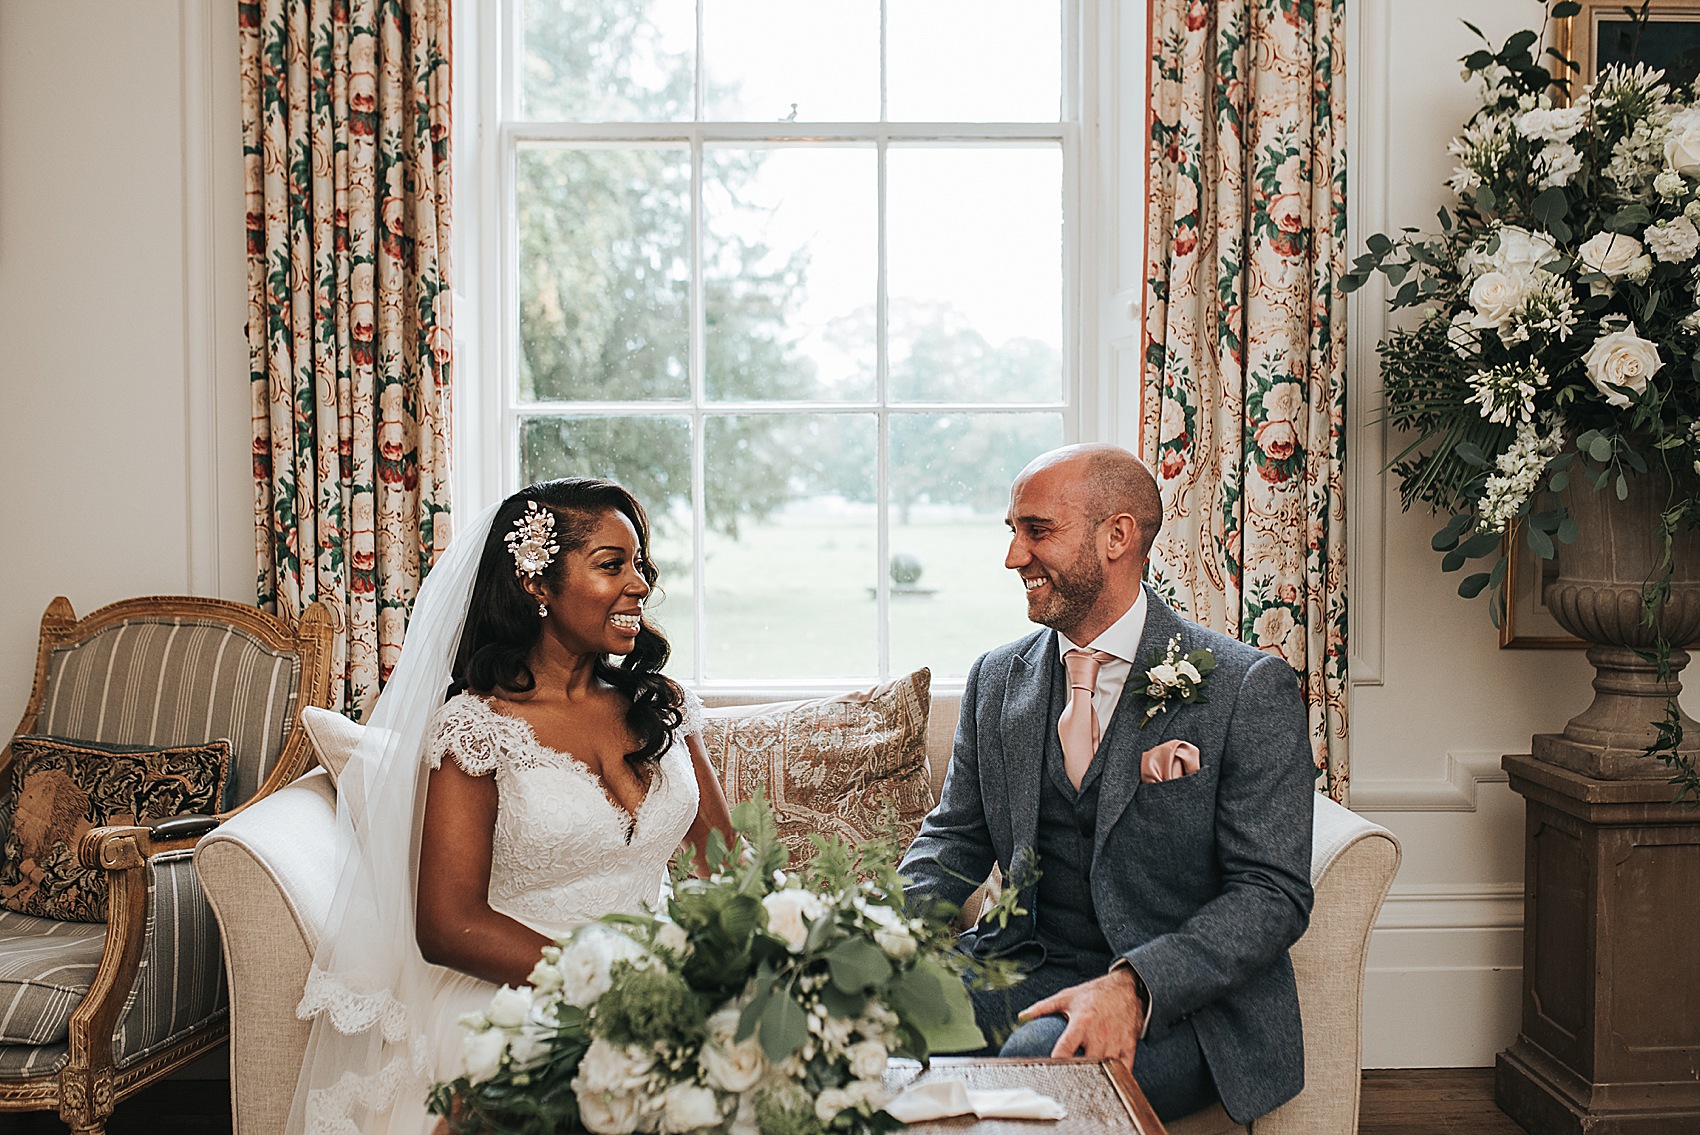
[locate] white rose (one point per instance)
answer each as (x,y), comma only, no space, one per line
(1621,358)
(867,1059)
(610,1113)
(1613,255)
(731,1065)
(789,913)
(1496,296)
(509,1007)
(481,1053)
(830,1102)
(1190,672)
(1674,241)
(1682,143)
(1544,124)
(1164,674)
(688,1107)
(609,1067)
(1516,251)
(672,936)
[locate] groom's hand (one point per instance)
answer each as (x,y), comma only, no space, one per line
(1105,1017)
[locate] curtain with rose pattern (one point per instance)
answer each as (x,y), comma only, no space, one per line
(1243,407)
(345,119)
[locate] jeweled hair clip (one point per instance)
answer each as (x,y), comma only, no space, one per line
(532,541)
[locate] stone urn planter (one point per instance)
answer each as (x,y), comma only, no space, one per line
(1598,598)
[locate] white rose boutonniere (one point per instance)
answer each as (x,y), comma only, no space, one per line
(1621,361)
(1176,677)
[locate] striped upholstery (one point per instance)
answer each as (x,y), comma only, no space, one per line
(18,1062)
(175,681)
(45,968)
(181,983)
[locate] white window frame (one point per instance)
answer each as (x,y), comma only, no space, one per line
(1101,136)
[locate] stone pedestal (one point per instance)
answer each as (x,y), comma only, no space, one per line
(1610,1039)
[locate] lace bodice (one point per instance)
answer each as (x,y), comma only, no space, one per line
(564,852)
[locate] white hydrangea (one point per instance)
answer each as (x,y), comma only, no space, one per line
(1518,470)
(1673,241)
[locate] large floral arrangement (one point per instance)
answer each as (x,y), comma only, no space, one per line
(760,1000)
(1557,309)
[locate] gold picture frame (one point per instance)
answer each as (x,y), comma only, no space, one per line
(1528,625)
(1670,40)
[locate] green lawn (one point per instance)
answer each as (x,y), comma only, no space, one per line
(790,598)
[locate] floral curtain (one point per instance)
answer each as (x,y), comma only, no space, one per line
(345,119)
(1243,408)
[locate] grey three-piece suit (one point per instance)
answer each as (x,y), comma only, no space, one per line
(1201,882)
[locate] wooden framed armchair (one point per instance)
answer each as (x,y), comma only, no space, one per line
(90,1013)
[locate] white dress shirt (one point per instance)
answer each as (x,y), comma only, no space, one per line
(1121,641)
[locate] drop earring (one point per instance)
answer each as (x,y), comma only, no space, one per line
(542,611)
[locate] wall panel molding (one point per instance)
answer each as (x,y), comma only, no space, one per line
(200,334)
(1455,792)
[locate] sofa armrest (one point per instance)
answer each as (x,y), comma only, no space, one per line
(270,875)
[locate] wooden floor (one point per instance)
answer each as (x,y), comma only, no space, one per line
(1446,1101)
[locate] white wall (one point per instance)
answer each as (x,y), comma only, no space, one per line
(123,384)
(124,442)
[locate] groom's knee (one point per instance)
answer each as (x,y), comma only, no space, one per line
(1035,1038)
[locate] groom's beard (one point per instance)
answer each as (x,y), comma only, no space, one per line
(1073,592)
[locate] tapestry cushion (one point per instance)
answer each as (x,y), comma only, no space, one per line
(61,789)
(854,765)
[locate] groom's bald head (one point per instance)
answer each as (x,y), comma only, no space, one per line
(1111,482)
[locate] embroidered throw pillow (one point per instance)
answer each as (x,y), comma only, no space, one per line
(837,766)
(61,789)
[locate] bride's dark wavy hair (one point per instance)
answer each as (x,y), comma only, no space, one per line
(502,625)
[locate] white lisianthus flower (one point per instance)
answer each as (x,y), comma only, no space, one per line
(509,1006)
(688,1107)
(1188,671)
(1558,163)
(1546,124)
(1682,142)
(611,1113)
(1674,241)
(1669,185)
(1621,359)
(1612,255)
(897,944)
(830,1102)
(1164,674)
(587,963)
(727,1063)
(530,1045)
(481,1053)
(1496,296)
(789,913)
(545,977)
(867,1059)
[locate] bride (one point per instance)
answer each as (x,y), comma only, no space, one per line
(550,787)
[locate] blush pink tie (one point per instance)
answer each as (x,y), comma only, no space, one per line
(1077,728)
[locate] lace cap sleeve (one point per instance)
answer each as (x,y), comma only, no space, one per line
(693,713)
(469,731)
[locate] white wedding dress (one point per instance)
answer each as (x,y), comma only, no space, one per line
(564,853)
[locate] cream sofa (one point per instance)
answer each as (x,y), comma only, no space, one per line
(269,877)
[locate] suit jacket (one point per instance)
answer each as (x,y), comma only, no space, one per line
(1201,883)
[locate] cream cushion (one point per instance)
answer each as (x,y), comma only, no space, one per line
(333,736)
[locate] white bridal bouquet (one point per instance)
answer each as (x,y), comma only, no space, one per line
(1557,310)
(761,1001)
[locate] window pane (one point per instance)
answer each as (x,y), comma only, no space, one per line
(766,60)
(790,551)
(651,456)
(604,273)
(607,60)
(790,253)
(973,60)
(952,599)
(974,239)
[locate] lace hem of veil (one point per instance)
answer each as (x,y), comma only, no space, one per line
(351,1011)
(330,1110)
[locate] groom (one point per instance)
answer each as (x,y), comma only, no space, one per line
(1173,852)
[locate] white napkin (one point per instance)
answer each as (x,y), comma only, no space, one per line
(941,1099)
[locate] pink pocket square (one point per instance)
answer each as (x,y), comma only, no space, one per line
(1169,761)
